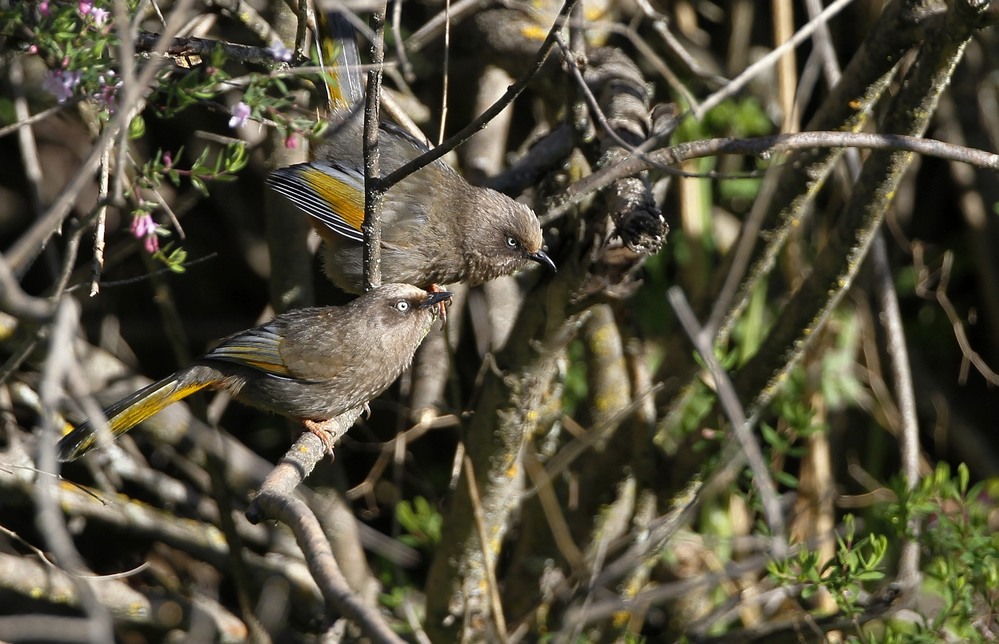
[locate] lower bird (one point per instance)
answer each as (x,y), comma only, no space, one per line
(310,364)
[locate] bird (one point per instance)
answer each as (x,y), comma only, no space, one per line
(310,364)
(436,227)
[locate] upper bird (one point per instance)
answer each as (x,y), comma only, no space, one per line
(436,227)
(309,364)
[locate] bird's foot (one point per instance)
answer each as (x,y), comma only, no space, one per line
(326,436)
(440,306)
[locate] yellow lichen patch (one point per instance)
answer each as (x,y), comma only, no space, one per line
(594,13)
(604,403)
(534,32)
(138,609)
(602,337)
(621,618)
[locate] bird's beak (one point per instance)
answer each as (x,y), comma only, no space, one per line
(435,297)
(542,258)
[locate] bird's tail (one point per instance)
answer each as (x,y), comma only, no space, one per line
(342,60)
(130,411)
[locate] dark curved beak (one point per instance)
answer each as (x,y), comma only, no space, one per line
(542,258)
(434,297)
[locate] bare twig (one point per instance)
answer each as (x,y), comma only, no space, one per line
(740,81)
(728,397)
(323,565)
(766,147)
(490,566)
(374,185)
(512,93)
(49,518)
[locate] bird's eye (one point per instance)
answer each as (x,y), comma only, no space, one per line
(512,242)
(402,306)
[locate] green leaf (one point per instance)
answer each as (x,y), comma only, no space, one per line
(136,127)
(199,184)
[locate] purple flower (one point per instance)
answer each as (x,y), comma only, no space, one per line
(143,227)
(106,97)
(279,52)
(85,6)
(100,16)
(61,83)
(240,112)
(43,7)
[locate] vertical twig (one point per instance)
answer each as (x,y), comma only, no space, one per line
(302,13)
(373,187)
(898,353)
(487,557)
(783,18)
(48,518)
(97,265)
(446,69)
(733,409)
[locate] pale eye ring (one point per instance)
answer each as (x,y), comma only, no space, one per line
(512,242)
(402,306)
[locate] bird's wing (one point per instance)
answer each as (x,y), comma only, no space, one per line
(258,348)
(330,192)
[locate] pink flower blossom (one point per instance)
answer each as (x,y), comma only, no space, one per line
(106,97)
(85,6)
(240,112)
(143,226)
(100,16)
(291,141)
(43,8)
(61,83)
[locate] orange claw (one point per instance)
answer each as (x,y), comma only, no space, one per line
(442,305)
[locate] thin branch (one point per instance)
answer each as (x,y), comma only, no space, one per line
(762,481)
(898,353)
(374,185)
(766,147)
(294,513)
(487,558)
(512,93)
(48,516)
(740,81)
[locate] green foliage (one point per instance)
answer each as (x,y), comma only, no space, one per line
(960,561)
(738,117)
(422,522)
(77,47)
(78,43)
(172,258)
(856,562)
(961,553)
(575,387)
